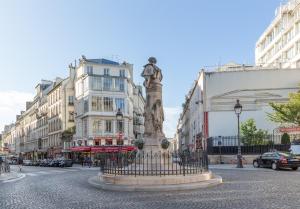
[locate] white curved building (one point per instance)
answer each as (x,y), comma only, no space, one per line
(279,45)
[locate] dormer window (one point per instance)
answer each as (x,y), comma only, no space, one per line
(89,70)
(122,73)
(106,71)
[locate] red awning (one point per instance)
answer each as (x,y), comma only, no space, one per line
(112,148)
(81,149)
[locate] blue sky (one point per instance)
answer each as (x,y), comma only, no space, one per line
(38,39)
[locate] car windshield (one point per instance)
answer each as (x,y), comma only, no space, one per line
(285,154)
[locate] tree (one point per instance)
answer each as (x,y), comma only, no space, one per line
(250,134)
(285,139)
(68,134)
(288,112)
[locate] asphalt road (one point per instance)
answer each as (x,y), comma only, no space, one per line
(55,188)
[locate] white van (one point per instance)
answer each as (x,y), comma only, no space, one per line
(295,149)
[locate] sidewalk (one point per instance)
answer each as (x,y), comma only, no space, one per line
(79,166)
(11,176)
(247,167)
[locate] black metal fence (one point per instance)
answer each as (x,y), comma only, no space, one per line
(154,164)
(253,149)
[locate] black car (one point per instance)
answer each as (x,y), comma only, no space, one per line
(276,160)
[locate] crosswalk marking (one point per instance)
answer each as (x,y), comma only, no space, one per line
(31,174)
(39,173)
(43,172)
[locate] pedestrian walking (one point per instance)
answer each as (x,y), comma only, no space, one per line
(1,164)
(20,163)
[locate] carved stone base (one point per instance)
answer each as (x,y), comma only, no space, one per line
(152,145)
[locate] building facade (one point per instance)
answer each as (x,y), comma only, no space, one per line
(61,114)
(102,88)
(215,94)
(279,45)
(86,101)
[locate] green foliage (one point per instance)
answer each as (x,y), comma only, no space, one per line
(139,143)
(285,139)
(250,134)
(165,144)
(68,134)
(287,113)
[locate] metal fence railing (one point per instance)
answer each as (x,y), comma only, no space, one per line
(154,164)
(251,149)
(233,140)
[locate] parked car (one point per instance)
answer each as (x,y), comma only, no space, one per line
(65,163)
(177,159)
(27,162)
(276,160)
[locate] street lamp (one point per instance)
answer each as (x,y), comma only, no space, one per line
(238,110)
(119,117)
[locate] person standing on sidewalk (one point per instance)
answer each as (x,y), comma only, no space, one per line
(1,163)
(20,163)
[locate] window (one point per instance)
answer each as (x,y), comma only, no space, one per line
(122,73)
(120,104)
(96,83)
(97,127)
(71,100)
(108,126)
(97,103)
(89,70)
(120,142)
(119,83)
(108,142)
(86,105)
(71,116)
(85,127)
(107,86)
(108,104)
(106,71)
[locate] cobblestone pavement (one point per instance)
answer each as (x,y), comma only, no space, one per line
(259,189)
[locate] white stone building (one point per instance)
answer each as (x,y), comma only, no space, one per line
(101,88)
(61,113)
(208,110)
(8,144)
(279,45)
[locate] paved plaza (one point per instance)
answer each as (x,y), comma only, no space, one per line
(54,188)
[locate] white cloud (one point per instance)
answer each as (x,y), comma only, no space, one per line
(171,119)
(11,103)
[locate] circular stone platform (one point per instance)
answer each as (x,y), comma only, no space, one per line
(155,183)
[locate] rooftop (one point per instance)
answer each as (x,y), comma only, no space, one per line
(103,61)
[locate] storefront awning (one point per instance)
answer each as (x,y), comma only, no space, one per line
(81,149)
(99,149)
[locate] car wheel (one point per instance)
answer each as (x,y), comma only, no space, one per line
(274,166)
(295,168)
(255,164)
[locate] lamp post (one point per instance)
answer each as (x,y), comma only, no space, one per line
(220,144)
(119,117)
(238,110)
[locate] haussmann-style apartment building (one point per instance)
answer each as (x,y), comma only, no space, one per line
(78,111)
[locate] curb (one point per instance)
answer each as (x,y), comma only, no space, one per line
(94,181)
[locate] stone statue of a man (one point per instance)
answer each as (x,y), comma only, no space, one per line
(154,114)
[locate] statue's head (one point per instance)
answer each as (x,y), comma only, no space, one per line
(152,60)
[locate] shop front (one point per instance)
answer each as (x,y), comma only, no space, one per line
(54,152)
(81,152)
